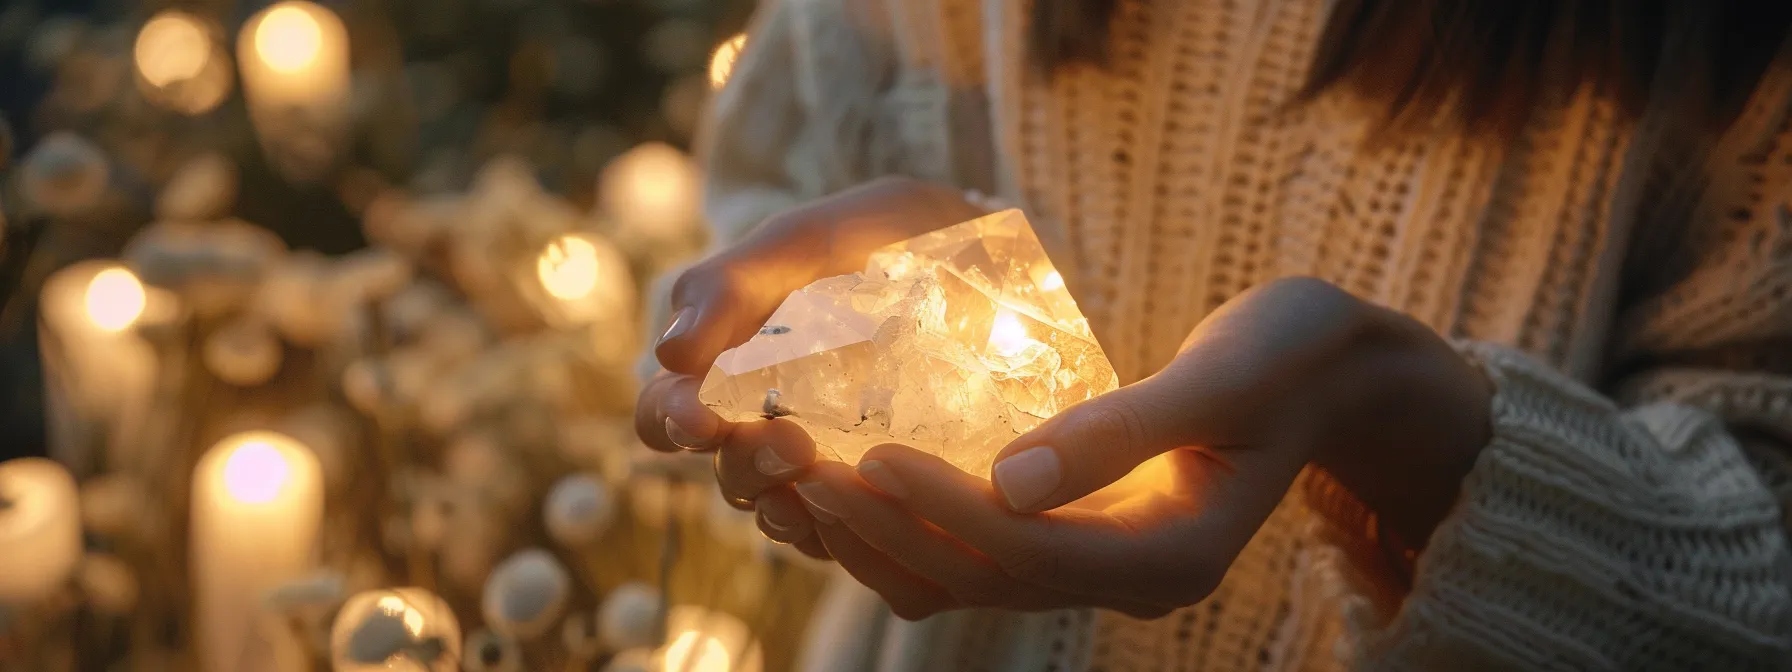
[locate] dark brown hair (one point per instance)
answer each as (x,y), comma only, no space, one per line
(1484,64)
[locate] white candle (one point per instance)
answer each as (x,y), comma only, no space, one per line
(40,529)
(257,504)
(295,68)
(582,279)
(180,64)
(98,373)
(651,194)
(701,640)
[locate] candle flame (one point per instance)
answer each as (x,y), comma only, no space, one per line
(172,47)
(115,299)
(1008,335)
(289,38)
(684,653)
(255,471)
(568,268)
(721,63)
(1053,281)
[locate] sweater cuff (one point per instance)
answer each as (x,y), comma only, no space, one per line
(1583,532)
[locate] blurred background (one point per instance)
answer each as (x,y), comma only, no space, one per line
(319,334)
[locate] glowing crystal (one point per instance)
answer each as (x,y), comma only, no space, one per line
(955,343)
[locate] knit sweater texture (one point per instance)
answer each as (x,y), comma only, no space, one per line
(1632,306)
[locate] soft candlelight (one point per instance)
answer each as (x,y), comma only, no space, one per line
(721,63)
(583,280)
(295,66)
(98,373)
(40,529)
(180,64)
(257,504)
(651,194)
(703,640)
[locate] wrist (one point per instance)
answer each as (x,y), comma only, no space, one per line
(1416,417)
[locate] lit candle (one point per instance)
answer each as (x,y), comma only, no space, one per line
(395,629)
(98,373)
(583,280)
(179,63)
(40,529)
(257,503)
(701,640)
(294,60)
(651,194)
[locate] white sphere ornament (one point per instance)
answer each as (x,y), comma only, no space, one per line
(64,174)
(630,616)
(202,190)
(526,593)
(395,629)
(578,509)
(244,353)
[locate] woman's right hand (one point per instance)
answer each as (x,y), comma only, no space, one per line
(722,301)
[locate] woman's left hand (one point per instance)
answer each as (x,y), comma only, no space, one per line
(1295,372)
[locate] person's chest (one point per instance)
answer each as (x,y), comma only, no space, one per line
(1183,173)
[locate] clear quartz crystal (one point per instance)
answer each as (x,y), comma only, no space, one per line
(955,343)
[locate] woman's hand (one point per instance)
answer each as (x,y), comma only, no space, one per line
(1292,373)
(722,301)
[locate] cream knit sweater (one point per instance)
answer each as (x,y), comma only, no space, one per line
(1630,511)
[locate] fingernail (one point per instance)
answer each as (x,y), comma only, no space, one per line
(680,323)
(768,463)
(883,478)
(775,525)
(679,436)
(821,502)
(1028,477)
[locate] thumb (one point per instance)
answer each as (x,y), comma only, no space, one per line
(1090,446)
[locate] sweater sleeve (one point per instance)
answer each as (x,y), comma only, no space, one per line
(1639,527)
(794,121)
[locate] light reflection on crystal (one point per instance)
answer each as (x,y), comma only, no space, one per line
(955,342)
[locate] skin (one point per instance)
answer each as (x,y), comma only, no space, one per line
(1293,373)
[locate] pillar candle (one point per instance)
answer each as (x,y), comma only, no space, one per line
(40,529)
(257,504)
(295,67)
(98,373)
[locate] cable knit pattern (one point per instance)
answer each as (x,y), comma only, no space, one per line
(1630,511)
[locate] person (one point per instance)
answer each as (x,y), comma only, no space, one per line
(1457,334)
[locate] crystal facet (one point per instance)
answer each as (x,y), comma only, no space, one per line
(955,343)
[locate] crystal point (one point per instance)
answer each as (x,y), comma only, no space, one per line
(955,342)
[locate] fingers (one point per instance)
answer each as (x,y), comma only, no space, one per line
(650,426)
(781,516)
(1070,550)
(969,578)
(761,455)
(722,302)
(910,596)
(1090,446)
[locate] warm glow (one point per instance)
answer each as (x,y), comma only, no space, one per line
(1052,281)
(721,63)
(697,652)
(173,47)
(115,299)
(652,191)
(568,268)
(393,605)
(289,39)
(1008,336)
(255,471)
